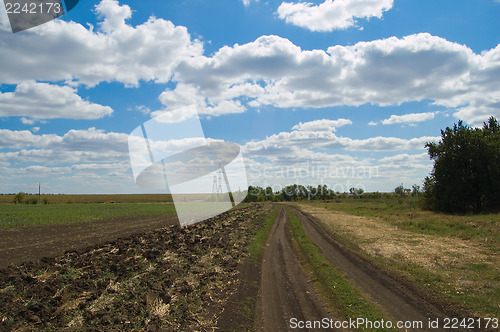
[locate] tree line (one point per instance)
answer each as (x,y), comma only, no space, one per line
(297,192)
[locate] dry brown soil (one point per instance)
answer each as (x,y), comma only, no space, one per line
(168,279)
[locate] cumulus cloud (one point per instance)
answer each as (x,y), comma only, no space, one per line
(331,15)
(322,157)
(405,159)
(89,140)
(273,71)
(339,171)
(175,116)
(409,118)
(270,71)
(13,139)
(116,51)
(47,101)
(322,125)
(79,161)
(284,143)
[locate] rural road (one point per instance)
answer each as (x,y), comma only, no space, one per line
(397,300)
(285,291)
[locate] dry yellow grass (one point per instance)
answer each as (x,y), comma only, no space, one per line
(449,258)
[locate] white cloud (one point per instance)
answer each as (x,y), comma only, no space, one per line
(284,142)
(308,157)
(372,123)
(186,95)
(175,116)
(405,158)
(28,121)
(20,139)
(89,140)
(269,71)
(322,125)
(143,109)
(409,118)
(47,101)
(331,15)
(273,71)
(339,171)
(67,51)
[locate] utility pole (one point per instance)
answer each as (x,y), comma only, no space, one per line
(39,193)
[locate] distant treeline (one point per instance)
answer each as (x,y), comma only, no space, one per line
(24,198)
(297,192)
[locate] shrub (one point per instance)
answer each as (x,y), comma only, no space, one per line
(32,200)
(19,198)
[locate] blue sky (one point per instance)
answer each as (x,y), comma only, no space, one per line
(344,93)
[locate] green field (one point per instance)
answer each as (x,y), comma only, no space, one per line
(20,215)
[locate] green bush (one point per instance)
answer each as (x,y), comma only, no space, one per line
(19,198)
(32,200)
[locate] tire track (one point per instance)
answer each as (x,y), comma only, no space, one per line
(285,290)
(397,300)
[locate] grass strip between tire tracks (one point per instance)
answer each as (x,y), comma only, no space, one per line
(345,297)
(256,247)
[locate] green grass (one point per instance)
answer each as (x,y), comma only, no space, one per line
(479,298)
(256,246)
(349,301)
(406,213)
(22,215)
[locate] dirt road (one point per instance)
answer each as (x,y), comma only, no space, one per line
(397,300)
(285,291)
(32,243)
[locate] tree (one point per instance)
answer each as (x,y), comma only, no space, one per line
(400,190)
(356,192)
(466,173)
(415,190)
